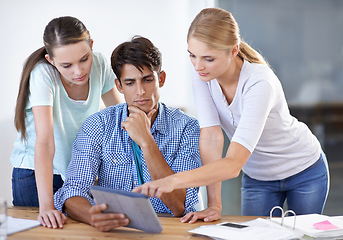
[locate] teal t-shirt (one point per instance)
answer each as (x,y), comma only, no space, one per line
(46,89)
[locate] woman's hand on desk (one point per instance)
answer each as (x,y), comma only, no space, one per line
(51,218)
(208,215)
(106,221)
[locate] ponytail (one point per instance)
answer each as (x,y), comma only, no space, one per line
(251,55)
(24,87)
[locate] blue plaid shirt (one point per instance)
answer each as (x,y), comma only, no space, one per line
(103,149)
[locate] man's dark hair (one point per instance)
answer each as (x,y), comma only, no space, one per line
(139,52)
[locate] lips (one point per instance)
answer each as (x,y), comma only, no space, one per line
(141,101)
(203,74)
(81,78)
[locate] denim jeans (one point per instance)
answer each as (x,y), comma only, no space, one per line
(24,189)
(306,192)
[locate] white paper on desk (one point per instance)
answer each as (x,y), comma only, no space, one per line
(304,224)
(258,229)
(15,225)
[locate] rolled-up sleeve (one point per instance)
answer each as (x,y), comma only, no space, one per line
(182,154)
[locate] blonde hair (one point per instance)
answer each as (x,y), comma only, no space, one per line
(219,30)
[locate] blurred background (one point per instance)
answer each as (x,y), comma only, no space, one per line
(301,39)
(303,42)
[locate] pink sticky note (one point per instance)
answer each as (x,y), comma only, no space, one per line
(325,225)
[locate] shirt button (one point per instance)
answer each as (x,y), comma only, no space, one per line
(135,183)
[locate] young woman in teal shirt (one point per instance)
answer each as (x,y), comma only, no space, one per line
(62,84)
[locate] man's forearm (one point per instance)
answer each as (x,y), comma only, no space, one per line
(78,209)
(159,168)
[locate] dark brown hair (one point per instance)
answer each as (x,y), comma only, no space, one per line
(139,52)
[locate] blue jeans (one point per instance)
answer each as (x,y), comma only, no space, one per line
(306,192)
(24,189)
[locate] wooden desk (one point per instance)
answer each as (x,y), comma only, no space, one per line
(172,229)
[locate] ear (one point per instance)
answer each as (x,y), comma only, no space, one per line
(162,79)
(118,85)
(91,43)
(235,51)
(47,57)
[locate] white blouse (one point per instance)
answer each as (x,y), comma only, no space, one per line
(259,119)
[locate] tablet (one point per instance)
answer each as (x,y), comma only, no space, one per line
(136,207)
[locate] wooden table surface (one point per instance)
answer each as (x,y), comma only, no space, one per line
(172,228)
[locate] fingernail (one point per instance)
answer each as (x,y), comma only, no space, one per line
(126,221)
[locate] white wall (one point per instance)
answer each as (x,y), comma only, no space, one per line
(110,22)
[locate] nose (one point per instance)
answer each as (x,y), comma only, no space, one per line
(77,70)
(140,89)
(198,66)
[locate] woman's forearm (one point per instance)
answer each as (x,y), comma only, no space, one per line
(215,171)
(44,155)
(44,174)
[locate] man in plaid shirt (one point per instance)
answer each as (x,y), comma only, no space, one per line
(131,143)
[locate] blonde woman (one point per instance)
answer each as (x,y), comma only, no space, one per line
(235,90)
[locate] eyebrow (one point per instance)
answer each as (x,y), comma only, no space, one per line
(66,63)
(147,76)
(134,79)
(85,55)
(128,79)
(201,56)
